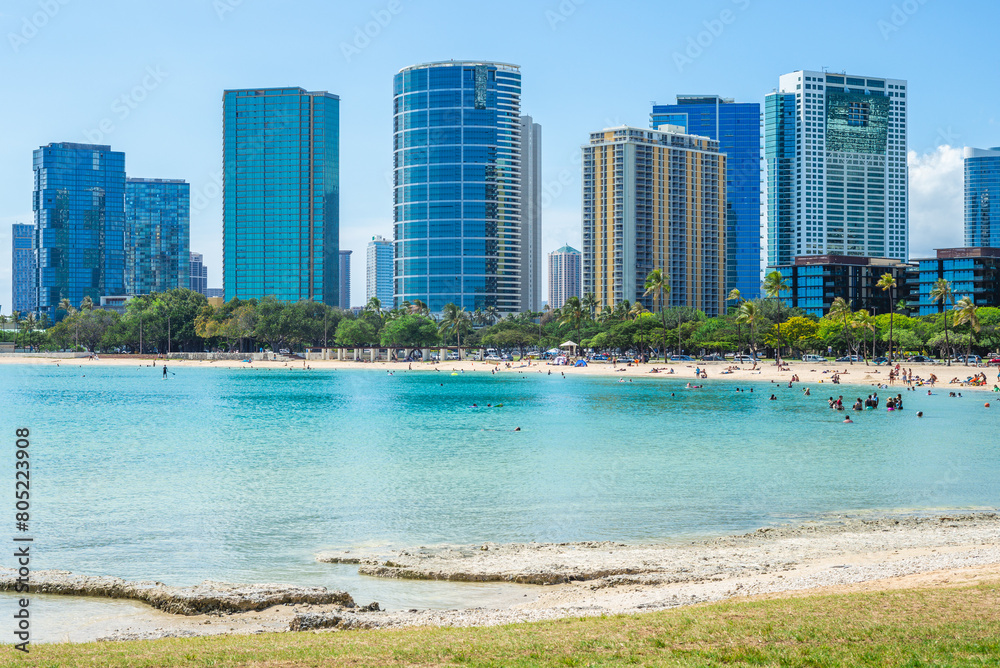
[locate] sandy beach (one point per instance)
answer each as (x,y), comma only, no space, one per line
(840,554)
(810,374)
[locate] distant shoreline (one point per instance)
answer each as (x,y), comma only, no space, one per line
(811,375)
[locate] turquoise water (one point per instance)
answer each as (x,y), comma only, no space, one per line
(243,475)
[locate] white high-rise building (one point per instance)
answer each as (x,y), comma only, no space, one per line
(835,147)
(379,271)
(565,275)
(531,215)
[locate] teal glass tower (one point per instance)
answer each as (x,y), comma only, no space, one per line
(736,126)
(157,235)
(79,205)
(281,195)
(457,196)
(982,197)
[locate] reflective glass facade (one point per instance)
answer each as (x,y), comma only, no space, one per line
(199,274)
(736,126)
(835,147)
(281,195)
(157,233)
(457,166)
(972,272)
(345,279)
(79,204)
(982,197)
(23,268)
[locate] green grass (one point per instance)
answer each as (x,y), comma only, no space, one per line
(944,626)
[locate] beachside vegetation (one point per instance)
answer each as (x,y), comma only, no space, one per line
(183,321)
(930,626)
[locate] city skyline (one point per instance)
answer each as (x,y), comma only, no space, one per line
(160,105)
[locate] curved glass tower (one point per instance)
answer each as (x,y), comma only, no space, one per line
(457,197)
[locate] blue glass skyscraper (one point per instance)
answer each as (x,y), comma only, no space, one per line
(379,270)
(24,269)
(79,204)
(982,197)
(281,195)
(736,126)
(157,235)
(457,161)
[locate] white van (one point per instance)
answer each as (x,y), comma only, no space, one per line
(813,358)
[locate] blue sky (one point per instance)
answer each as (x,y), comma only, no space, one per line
(154,72)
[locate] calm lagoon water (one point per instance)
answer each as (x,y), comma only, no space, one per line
(243,475)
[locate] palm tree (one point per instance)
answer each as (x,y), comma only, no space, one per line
(734,295)
(657,284)
(841,309)
(491,314)
(887,283)
(941,293)
(774,285)
(87,304)
(64,305)
(572,313)
(866,321)
(454,320)
(590,303)
(967,313)
(636,310)
(749,314)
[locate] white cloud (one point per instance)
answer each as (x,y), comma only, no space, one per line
(936,207)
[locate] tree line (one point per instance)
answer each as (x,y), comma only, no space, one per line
(183,321)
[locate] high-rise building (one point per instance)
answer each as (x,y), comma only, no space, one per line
(531,215)
(982,197)
(215,293)
(654,199)
(379,271)
(24,269)
(565,275)
(971,272)
(457,171)
(79,204)
(157,233)
(281,194)
(345,279)
(198,281)
(816,281)
(736,126)
(835,148)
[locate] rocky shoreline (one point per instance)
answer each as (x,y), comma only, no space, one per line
(580,579)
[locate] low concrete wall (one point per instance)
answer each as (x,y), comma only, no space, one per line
(58,356)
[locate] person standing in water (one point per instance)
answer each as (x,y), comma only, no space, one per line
(164,371)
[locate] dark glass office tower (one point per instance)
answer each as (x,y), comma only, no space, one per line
(79,204)
(281,194)
(982,197)
(24,269)
(457,159)
(158,222)
(736,126)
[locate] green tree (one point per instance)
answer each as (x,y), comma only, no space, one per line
(455,321)
(590,302)
(841,309)
(941,293)
(409,331)
(749,315)
(887,283)
(968,313)
(355,333)
(658,284)
(774,285)
(572,314)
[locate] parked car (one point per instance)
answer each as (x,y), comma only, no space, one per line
(600,357)
(681,358)
(284,351)
(971,359)
(715,357)
(995,361)
(851,358)
(879,361)
(920,359)
(813,358)
(452,356)
(745,359)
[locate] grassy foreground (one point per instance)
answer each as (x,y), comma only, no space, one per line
(945,626)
